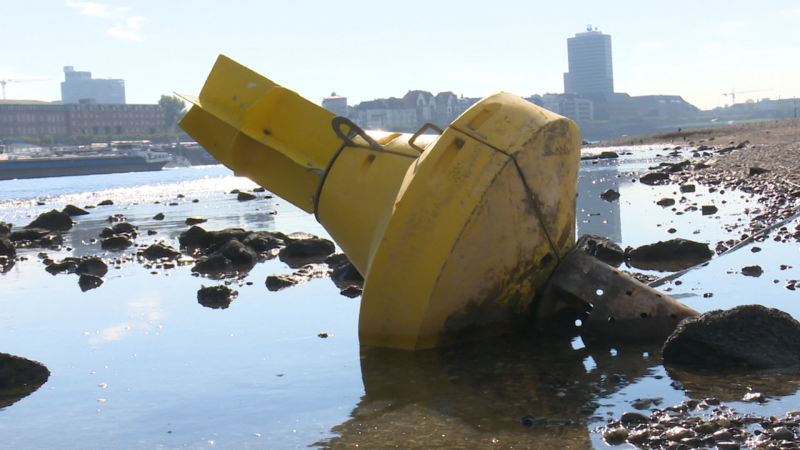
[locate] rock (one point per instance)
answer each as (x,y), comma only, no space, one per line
(198,237)
(263,241)
(782,434)
(122,228)
(298,253)
(159,216)
(678,167)
(757,171)
(608,155)
(709,210)
(105,203)
(72,210)
(244,196)
(195,220)
(7,248)
(601,248)
(749,336)
(752,271)
(160,251)
(29,234)
(678,433)
(654,178)
(5,228)
(92,265)
(116,218)
(615,436)
(192,237)
(634,417)
(673,255)
(666,202)
(216,297)
(88,281)
(19,377)
(67,265)
(351,291)
(115,243)
(609,195)
(688,188)
(280,281)
(345,275)
(237,253)
(53,220)
(213,264)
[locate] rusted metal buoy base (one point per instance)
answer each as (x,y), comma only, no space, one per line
(607,302)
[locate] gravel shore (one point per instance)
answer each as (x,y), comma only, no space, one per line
(772,145)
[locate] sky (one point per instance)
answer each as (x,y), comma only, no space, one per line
(365,50)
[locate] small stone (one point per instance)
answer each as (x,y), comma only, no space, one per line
(609,195)
(687,188)
(752,271)
(615,436)
(782,434)
(754,397)
(195,220)
(638,437)
(87,282)
(159,216)
(678,433)
(245,196)
(709,209)
(654,178)
(633,417)
(216,297)
(665,202)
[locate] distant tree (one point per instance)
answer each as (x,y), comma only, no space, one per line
(174,109)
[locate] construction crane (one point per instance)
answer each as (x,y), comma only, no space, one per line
(733,93)
(4,82)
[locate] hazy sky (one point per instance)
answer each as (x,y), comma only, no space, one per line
(373,49)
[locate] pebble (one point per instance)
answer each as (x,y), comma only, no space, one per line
(702,424)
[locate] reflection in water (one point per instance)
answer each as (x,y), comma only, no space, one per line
(732,386)
(473,395)
(19,378)
(593,215)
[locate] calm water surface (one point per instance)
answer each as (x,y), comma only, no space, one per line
(139,363)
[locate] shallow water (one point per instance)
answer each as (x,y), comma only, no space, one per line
(138,363)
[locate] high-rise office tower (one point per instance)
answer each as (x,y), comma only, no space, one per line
(79,86)
(589,63)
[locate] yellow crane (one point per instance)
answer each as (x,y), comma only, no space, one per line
(4,82)
(733,93)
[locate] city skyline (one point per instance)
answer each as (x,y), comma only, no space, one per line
(366,51)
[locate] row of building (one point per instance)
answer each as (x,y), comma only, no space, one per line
(37,119)
(417,108)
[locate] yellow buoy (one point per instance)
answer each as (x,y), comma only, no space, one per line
(455,234)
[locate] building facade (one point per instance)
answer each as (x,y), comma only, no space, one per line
(36,119)
(590,64)
(80,86)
